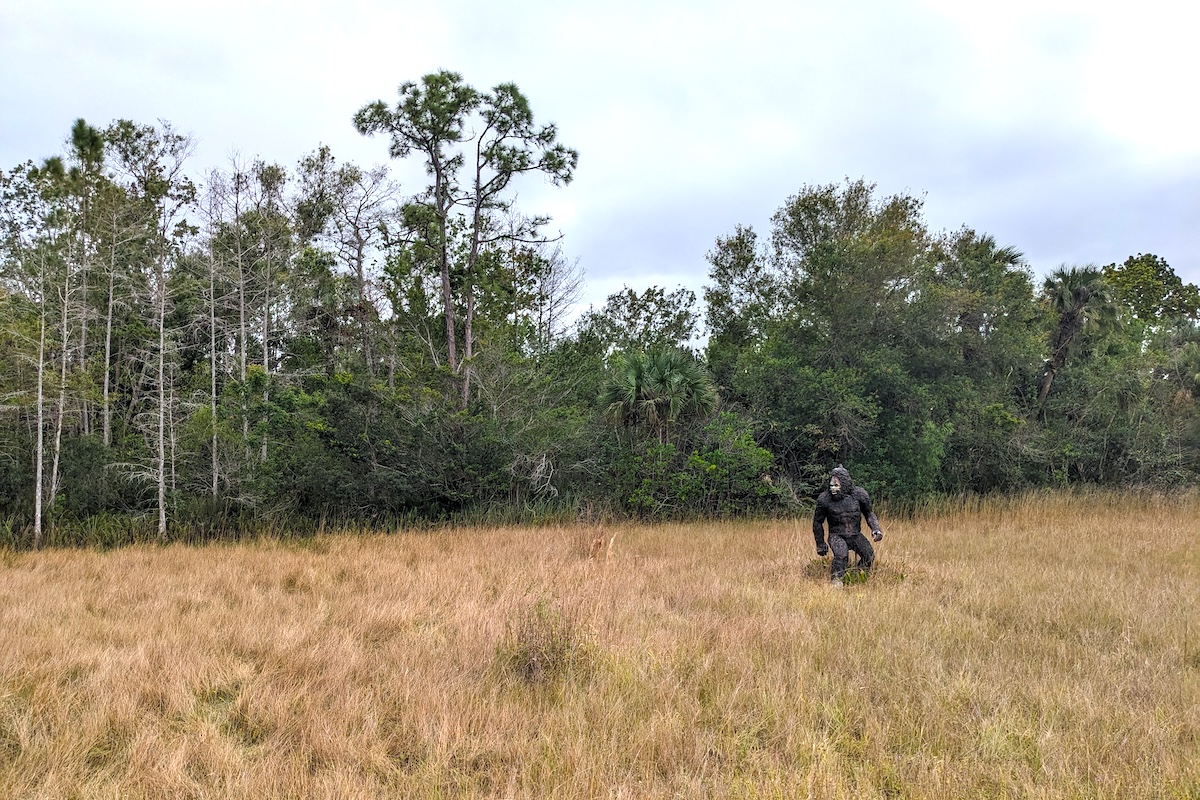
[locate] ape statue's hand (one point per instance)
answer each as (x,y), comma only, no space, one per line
(822,550)
(877,535)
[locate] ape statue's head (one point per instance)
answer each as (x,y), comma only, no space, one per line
(840,483)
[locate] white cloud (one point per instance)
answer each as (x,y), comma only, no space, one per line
(1064,128)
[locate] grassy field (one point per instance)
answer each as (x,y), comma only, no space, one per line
(1032,648)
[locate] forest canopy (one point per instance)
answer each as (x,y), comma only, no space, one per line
(262,345)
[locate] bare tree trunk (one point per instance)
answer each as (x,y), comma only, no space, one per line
(239,182)
(171,434)
(106,409)
(266,355)
(1045,382)
(162,397)
(392,368)
(212,364)
(469,288)
(83,324)
(41,402)
(448,311)
(217,199)
(363,305)
(121,232)
(243,346)
(443,214)
(62,387)
(468,346)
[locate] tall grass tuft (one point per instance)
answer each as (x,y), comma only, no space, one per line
(547,644)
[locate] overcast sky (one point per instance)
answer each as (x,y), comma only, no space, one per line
(1066,129)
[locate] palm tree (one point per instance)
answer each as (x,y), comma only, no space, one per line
(624,394)
(1082,301)
(657,389)
(987,282)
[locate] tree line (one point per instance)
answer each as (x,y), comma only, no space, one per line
(273,347)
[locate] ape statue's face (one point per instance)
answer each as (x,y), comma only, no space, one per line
(835,487)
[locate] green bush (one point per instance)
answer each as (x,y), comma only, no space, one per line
(724,474)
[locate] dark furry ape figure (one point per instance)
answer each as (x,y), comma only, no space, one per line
(842,505)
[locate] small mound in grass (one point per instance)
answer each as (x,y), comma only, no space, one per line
(885,572)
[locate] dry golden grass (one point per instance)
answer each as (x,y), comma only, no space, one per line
(1023,649)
